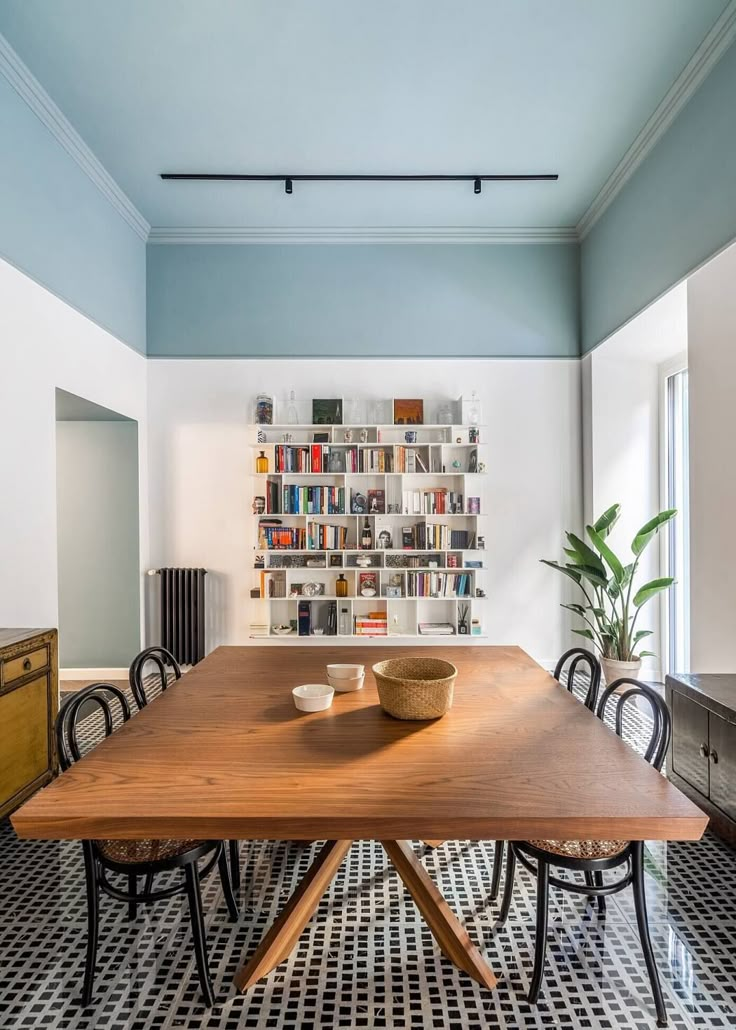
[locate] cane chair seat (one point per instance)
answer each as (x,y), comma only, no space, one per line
(584,849)
(136,851)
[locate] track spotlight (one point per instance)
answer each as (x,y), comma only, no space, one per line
(288,186)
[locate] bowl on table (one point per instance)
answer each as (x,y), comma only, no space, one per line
(313,697)
(345,677)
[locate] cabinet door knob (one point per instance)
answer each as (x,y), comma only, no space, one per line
(27,665)
(714,756)
(704,751)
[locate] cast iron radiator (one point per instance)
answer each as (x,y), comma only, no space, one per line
(182,614)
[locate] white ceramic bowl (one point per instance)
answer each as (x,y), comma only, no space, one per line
(313,697)
(342,686)
(344,671)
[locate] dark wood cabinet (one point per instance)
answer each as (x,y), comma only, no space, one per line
(702,759)
(29,686)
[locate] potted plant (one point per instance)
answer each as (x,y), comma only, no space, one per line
(612,603)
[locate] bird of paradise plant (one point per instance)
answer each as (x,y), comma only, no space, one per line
(612,606)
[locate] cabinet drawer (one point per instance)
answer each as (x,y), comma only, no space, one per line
(24,726)
(723,765)
(32,661)
(689,733)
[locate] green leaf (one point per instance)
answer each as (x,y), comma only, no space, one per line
(639,635)
(577,608)
(563,569)
(608,556)
(583,554)
(648,530)
(591,574)
(572,555)
(607,521)
(651,589)
(584,633)
(646,654)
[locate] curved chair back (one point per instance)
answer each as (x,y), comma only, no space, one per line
(159,657)
(661,731)
(592,669)
(100,696)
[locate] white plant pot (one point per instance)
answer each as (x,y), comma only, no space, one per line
(614,670)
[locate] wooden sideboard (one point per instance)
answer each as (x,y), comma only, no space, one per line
(702,760)
(29,696)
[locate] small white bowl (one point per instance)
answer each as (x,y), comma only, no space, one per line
(313,697)
(342,686)
(344,671)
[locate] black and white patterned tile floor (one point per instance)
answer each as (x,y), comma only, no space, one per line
(367,959)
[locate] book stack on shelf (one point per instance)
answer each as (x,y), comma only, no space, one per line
(374,624)
(402,503)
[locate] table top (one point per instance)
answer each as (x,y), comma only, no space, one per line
(224,754)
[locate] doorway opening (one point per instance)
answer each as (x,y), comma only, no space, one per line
(98,537)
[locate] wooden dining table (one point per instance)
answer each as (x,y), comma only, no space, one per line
(224,754)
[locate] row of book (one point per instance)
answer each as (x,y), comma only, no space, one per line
(426,536)
(312,500)
(409,459)
(438,584)
(280,538)
(374,624)
(290,458)
(431,502)
(326,538)
(273,584)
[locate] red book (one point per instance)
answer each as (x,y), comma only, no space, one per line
(316,457)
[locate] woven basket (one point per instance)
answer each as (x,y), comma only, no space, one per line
(415,688)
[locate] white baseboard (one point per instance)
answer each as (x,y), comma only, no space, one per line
(93,674)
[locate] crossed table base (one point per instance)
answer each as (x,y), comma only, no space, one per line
(452,938)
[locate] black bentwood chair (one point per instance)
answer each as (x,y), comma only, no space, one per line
(593,858)
(164,659)
(134,858)
(576,656)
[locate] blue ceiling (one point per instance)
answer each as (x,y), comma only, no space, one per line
(342,86)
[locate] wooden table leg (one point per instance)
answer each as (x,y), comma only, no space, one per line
(451,936)
(295,915)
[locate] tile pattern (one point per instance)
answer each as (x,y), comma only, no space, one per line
(367,959)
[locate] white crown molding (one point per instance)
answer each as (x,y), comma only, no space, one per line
(30,89)
(386,234)
(715,44)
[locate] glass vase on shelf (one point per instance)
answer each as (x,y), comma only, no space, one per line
(341,586)
(445,414)
(473,410)
(292,415)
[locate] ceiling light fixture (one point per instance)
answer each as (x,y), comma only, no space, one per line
(288,180)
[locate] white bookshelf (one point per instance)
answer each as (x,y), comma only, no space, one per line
(436,578)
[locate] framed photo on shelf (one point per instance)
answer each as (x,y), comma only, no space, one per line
(327,412)
(320,438)
(367,584)
(377,502)
(408,412)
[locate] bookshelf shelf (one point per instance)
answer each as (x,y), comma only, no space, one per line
(414,494)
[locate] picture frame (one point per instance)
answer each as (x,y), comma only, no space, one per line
(377,502)
(367,584)
(408,412)
(473,460)
(393,592)
(335,561)
(320,438)
(327,412)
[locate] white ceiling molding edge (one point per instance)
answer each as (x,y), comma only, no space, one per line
(30,89)
(713,47)
(387,234)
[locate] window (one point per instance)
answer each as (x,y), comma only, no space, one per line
(676,540)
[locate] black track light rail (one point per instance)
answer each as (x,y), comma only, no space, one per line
(288,180)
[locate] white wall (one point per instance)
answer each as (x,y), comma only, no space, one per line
(45,344)
(201,489)
(622,451)
(712,390)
